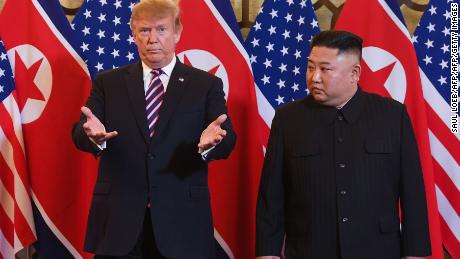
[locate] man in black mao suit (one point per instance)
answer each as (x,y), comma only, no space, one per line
(151,198)
(338,165)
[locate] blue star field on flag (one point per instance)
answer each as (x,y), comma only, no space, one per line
(278,46)
(105,37)
(432,43)
(6,76)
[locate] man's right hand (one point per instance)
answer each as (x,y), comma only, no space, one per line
(94,129)
(268,257)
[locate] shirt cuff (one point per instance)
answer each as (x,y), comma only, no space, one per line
(204,154)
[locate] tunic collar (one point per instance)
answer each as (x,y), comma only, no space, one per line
(350,111)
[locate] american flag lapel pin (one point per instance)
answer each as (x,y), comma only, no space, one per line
(181,79)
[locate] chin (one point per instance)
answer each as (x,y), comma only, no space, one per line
(317,96)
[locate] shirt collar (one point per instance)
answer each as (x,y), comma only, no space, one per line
(167,70)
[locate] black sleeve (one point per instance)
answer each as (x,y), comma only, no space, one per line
(215,106)
(270,228)
(415,230)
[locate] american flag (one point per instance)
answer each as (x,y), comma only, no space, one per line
(17,228)
(432,41)
(105,37)
(278,47)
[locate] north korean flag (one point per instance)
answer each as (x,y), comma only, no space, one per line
(209,43)
(51,83)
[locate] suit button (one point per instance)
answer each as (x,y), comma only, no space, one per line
(342,165)
(150,156)
(344,220)
(343,192)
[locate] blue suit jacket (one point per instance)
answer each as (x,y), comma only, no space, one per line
(165,169)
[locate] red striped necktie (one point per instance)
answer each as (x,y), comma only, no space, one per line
(154,99)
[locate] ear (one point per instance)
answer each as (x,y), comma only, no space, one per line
(355,73)
(133,33)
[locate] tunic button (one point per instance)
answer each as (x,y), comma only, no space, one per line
(340,117)
(340,140)
(343,192)
(344,220)
(342,165)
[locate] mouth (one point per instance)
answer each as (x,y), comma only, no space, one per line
(154,51)
(316,90)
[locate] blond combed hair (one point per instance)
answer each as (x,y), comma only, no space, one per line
(156,8)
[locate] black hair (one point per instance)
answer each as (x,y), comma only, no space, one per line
(344,41)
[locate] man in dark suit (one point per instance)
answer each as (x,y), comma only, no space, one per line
(154,126)
(338,165)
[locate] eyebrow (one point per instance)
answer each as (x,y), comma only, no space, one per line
(321,63)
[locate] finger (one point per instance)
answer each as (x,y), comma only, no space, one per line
(87,112)
(215,141)
(98,135)
(218,139)
(220,120)
(110,135)
(102,137)
(223,133)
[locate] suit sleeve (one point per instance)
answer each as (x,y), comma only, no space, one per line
(215,106)
(415,231)
(270,228)
(95,103)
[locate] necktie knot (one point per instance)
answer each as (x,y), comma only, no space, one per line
(156,72)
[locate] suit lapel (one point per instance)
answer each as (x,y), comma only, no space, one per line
(135,86)
(176,88)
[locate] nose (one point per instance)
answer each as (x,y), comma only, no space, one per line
(153,37)
(316,76)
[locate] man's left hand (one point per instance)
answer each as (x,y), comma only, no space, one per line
(213,134)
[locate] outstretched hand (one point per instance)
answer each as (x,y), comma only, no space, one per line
(213,134)
(94,129)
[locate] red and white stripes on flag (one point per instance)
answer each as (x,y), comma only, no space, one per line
(432,41)
(445,153)
(38,159)
(17,228)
